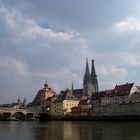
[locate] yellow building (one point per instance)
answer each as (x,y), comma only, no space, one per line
(63,104)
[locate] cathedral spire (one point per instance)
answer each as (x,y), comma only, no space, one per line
(72,86)
(86,80)
(87,73)
(93,73)
(94,80)
(90,82)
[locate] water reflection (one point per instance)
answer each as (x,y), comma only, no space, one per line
(15,131)
(59,130)
(48,131)
(88,131)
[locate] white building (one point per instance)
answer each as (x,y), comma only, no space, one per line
(105,100)
(120,94)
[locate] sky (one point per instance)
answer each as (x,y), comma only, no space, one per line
(49,40)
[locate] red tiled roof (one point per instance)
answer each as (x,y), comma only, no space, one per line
(125,88)
(66,95)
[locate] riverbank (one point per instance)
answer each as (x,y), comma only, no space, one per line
(46,117)
(19,119)
(98,118)
(89,118)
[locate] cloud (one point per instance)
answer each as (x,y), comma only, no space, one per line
(21,26)
(107,85)
(14,79)
(31,54)
(127,32)
(130,59)
(113,71)
(12,64)
(129,24)
(63,77)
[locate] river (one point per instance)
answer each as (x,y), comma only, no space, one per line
(68,130)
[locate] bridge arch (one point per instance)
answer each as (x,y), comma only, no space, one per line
(19,115)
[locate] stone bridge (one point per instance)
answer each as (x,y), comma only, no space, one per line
(14,113)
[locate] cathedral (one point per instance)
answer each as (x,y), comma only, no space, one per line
(90,82)
(90,86)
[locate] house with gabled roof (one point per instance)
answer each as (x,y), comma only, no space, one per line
(128,88)
(120,94)
(64,102)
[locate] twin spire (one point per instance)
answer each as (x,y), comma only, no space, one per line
(90,82)
(88,76)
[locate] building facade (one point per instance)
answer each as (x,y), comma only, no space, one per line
(40,102)
(121,94)
(63,104)
(135,97)
(128,109)
(46,94)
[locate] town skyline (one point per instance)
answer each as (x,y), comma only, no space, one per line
(50,40)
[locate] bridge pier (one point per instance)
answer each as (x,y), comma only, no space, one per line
(29,115)
(6,115)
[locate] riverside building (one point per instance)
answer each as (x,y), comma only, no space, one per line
(63,104)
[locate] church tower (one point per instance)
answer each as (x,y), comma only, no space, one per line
(90,83)
(94,80)
(86,81)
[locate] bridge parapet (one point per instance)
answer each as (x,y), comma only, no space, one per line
(26,112)
(11,110)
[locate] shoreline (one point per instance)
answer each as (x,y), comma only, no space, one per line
(46,117)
